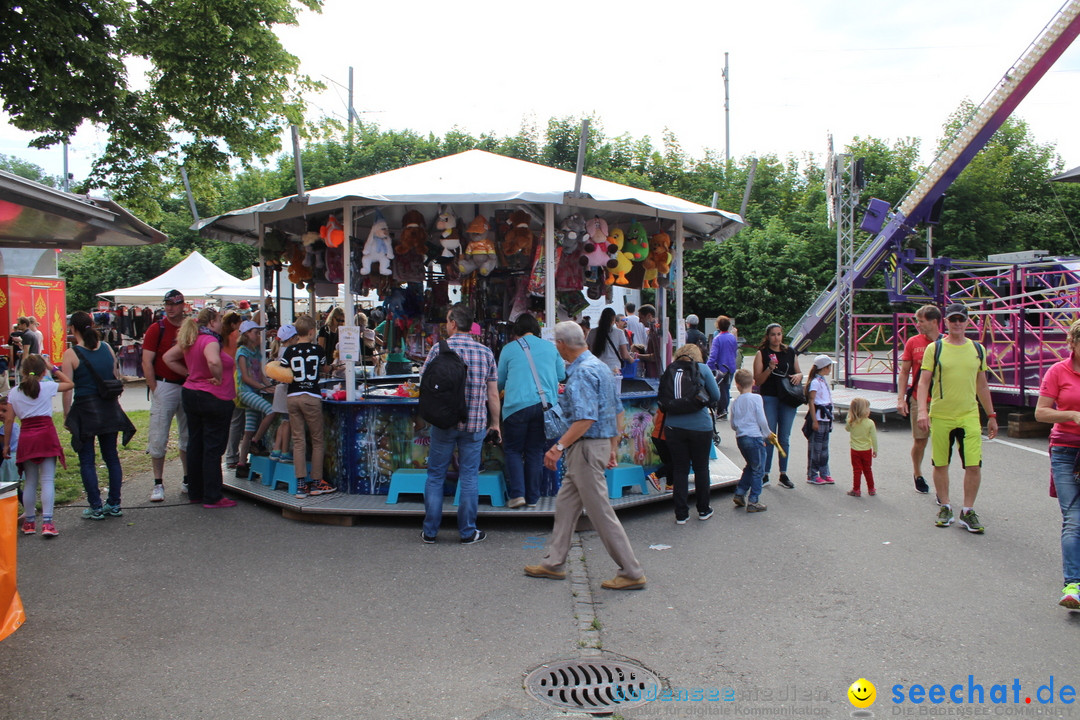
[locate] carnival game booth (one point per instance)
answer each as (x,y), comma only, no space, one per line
(504,236)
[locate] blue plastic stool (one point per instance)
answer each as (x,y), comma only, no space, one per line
(265,467)
(490,483)
(712,451)
(406,480)
(625,475)
(286,474)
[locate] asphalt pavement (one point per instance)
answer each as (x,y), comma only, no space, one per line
(174,611)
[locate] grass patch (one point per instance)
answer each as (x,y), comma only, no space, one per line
(133,458)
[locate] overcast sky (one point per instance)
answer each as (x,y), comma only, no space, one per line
(799,70)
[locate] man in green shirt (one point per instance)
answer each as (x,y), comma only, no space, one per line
(953,377)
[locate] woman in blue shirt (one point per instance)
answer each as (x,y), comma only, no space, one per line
(522,409)
(689,437)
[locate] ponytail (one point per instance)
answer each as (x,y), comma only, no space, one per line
(33,369)
(83,324)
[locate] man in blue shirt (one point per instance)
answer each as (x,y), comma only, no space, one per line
(723,361)
(591,408)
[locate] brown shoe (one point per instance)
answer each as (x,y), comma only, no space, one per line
(739,500)
(624,583)
(539,571)
(515,502)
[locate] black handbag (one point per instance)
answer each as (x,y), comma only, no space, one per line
(790,393)
(110,389)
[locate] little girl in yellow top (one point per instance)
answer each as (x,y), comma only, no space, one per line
(863,444)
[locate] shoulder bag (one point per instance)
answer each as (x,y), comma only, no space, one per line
(554,423)
(110,389)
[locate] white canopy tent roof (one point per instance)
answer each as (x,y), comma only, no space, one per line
(195,276)
(244,290)
(477,177)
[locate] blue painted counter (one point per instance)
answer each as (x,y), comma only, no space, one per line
(367,439)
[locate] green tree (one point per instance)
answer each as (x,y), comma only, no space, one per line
(219,84)
(28,170)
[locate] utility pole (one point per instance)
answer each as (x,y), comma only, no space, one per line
(350,110)
(727,115)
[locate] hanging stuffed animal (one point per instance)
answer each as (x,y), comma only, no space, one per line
(659,260)
(335,264)
(377,249)
(413,235)
(623,263)
(519,238)
(571,233)
(637,242)
(332,233)
(480,252)
(448,236)
(599,249)
(299,274)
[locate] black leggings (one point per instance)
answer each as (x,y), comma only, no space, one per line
(689,448)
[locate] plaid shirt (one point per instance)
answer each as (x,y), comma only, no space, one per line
(482,370)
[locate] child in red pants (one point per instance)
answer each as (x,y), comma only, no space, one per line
(863,439)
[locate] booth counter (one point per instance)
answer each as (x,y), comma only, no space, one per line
(369,438)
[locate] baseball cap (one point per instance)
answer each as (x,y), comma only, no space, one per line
(822,361)
(174,297)
(286,332)
(250,325)
(956,309)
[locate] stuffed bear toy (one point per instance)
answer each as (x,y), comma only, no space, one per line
(571,233)
(660,253)
(378,249)
(637,242)
(519,238)
(479,253)
(299,274)
(599,249)
(448,235)
(413,234)
(623,263)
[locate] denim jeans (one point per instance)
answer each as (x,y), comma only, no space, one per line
(208,419)
(523,449)
(469,445)
(817,451)
(1063,470)
(780,417)
(753,452)
(88,469)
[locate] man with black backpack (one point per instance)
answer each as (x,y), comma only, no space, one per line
(953,377)
(461,382)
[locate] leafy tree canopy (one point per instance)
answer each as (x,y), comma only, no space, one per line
(218,85)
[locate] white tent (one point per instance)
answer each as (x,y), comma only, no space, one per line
(244,290)
(195,276)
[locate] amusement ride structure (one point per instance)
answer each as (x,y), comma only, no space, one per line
(1021,304)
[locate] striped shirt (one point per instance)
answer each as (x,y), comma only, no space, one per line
(482,370)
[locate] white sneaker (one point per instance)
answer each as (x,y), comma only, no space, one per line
(183,488)
(158,495)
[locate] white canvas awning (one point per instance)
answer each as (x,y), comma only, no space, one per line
(477,177)
(195,276)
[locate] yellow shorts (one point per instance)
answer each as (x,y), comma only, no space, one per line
(966,432)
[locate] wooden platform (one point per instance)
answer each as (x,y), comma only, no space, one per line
(723,472)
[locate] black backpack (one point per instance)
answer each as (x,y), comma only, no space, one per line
(682,390)
(935,379)
(442,389)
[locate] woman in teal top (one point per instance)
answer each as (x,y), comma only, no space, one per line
(89,417)
(522,409)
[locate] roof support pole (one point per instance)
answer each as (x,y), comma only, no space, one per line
(549,272)
(350,315)
(680,278)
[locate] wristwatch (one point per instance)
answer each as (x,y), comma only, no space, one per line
(560,447)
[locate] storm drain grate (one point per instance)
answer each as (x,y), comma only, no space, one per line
(592,686)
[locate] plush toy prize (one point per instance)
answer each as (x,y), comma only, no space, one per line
(377,249)
(480,252)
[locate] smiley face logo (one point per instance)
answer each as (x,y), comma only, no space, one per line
(862,693)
